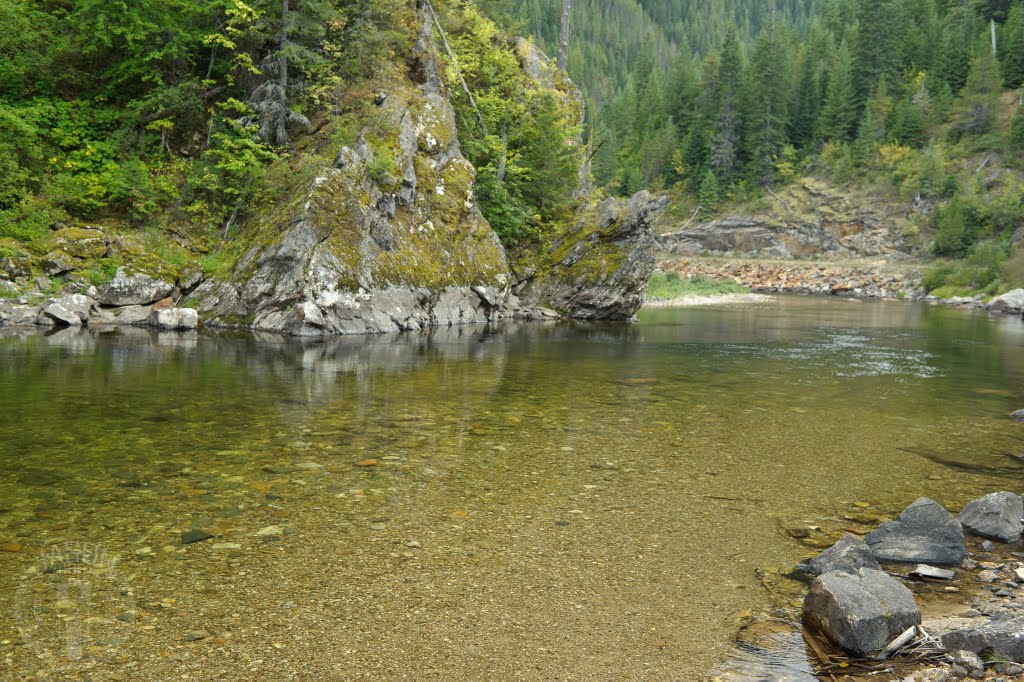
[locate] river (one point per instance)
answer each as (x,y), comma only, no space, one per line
(538,501)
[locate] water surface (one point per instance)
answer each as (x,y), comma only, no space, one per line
(560,500)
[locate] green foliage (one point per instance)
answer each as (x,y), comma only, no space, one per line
(709,194)
(1017,130)
(981,271)
(669,285)
(958,226)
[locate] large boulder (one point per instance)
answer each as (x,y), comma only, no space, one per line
(71,310)
(174,319)
(599,270)
(924,533)
(862,611)
(1003,638)
(134,289)
(848,555)
(997,516)
(1010,302)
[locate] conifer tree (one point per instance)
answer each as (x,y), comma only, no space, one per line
(1012,53)
(839,112)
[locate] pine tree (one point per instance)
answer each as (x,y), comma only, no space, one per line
(727,127)
(1012,53)
(876,114)
(979,96)
(1017,130)
(907,125)
(768,109)
(806,107)
(839,112)
(709,194)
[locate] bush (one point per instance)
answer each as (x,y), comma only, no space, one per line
(958,225)
(981,271)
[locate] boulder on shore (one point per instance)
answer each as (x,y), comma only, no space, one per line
(1010,302)
(1003,638)
(860,612)
(997,516)
(848,555)
(134,289)
(924,533)
(174,318)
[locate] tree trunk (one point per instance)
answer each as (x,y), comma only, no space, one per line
(563,36)
(995,50)
(284,41)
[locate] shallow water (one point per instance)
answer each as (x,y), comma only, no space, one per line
(559,500)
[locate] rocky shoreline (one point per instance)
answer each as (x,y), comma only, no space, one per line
(869,279)
(863,613)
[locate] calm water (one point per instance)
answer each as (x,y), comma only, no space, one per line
(540,501)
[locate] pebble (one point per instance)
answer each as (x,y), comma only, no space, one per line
(413,544)
(269,532)
(195,636)
(308,466)
(278,468)
(10,547)
(988,576)
(227,545)
(366,463)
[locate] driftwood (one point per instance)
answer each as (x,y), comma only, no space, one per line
(779,199)
(898,643)
(455,63)
(692,218)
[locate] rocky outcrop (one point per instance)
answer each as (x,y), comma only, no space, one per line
(923,533)
(391,238)
(862,611)
(997,516)
(600,270)
(388,239)
(848,555)
(808,219)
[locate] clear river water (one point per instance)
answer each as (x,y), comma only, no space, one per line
(530,501)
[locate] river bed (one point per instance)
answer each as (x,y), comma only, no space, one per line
(538,501)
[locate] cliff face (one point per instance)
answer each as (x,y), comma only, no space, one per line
(390,238)
(809,219)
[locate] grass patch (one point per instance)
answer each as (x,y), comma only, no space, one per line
(669,285)
(219,263)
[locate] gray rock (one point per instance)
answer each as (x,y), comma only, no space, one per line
(134,289)
(970,662)
(196,535)
(848,555)
(62,315)
(1017,416)
(174,318)
(609,260)
(19,314)
(1010,302)
(924,533)
(1005,668)
(997,516)
(926,571)
(860,612)
(1005,638)
(76,304)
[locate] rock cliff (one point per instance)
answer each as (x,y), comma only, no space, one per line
(808,219)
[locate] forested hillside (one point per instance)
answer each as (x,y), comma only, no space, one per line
(720,100)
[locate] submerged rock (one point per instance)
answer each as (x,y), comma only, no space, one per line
(1004,638)
(862,611)
(848,555)
(924,533)
(997,516)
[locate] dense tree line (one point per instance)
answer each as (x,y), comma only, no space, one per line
(724,97)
